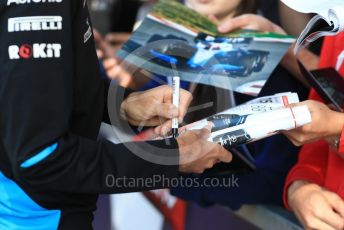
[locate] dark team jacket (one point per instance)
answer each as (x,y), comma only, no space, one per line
(51,107)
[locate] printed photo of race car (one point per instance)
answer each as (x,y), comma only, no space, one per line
(223,56)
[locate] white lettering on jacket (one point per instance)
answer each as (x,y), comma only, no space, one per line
(19,2)
(36,23)
(36,51)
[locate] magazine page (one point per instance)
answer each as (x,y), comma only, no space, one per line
(237,115)
(327,22)
(261,125)
(255,120)
(173,34)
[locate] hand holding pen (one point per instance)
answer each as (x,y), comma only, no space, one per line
(155,108)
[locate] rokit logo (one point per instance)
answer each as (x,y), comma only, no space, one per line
(36,51)
(19,2)
(36,23)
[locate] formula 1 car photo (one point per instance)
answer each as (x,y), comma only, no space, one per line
(223,56)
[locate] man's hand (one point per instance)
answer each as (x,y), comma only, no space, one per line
(154,108)
(197,154)
(326,123)
(251,22)
(315,207)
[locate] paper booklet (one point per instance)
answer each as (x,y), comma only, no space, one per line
(174,35)
(246,123)
(329,19)
(255,120)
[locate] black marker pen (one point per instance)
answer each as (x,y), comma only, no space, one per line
(175,101)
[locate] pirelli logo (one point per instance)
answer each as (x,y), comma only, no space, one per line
(35,23)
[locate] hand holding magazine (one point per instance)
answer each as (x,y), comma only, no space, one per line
(257,119)
(328,20)
(173,34)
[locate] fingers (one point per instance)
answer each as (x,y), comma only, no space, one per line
(164,110)
(235,23)
(202,134)
(223,154)
(250,21)
(312,220)
(104,47)
(329,220)
(114,72)
(154,107)
(214,19)
(111,38)
(197,154)
(162,105)
(110,63)
(316,224)
(337,203)
(310,104)
(112,67)
(293,105)
(293,136)
(185,101)
(163,126)
(315,207)
(155,121)
(301,136)
(164,129)
(323,215)
(114,38)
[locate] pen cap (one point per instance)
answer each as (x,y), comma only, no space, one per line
(302,115)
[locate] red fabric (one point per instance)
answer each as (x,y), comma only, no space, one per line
(172,208)
(317,163)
